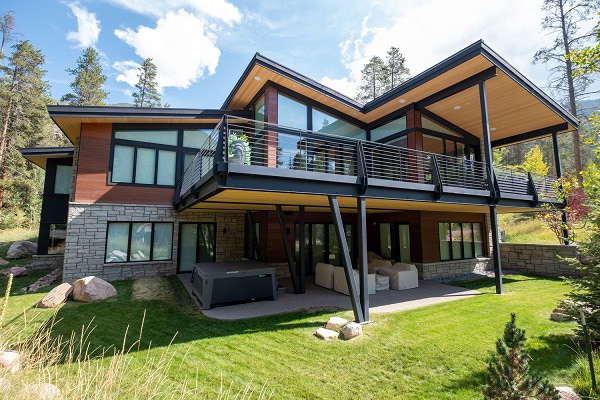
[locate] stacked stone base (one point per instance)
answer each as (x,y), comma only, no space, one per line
(538,259)
(48,261)
(455,268)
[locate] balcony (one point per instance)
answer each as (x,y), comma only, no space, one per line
(254,156)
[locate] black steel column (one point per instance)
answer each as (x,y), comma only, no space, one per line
(361,213)
(288,250)
(255,243)
(487,143)
(301,268)
(559,175)
(346,261)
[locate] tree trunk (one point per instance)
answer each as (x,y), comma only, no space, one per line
(572,102)
(4,135)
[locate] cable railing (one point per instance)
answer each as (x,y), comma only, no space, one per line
(237,140)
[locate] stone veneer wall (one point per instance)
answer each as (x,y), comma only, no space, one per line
(86,239)
(47,261)
(538,259)
(446,269)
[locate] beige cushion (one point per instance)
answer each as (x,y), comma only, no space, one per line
(378,263)
(373,256)
(382,282)
(402,277)
(324,275)
(340,285)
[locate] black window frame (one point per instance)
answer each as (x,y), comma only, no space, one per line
(326,244)
(462,240)
(179,149)
(129,242)
(214,224)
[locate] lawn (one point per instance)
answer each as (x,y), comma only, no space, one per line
(433,352)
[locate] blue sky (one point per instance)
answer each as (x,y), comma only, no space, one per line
(202,46)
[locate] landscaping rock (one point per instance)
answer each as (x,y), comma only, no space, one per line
(559,317)
(43,281)
(21,249)
(41,391)
(56,296)
(91,288)
(336,323)
(566,393)
(351,330)
(327,334)
(10,360)
(15,271)
(3,262)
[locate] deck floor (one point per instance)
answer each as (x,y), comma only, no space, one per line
(317,297)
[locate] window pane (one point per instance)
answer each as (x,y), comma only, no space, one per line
(318,244)
(385,240)
(259,109)
(62,180)
(144,167)
(141,233)
(444,232)
(162,241)
(56,239)
(288,153)
(122,170)
(467,240)
(206,243)
(116,242)
(456,241)
(326,123)
(334,248)
(187,247)
(432,144)
(434,126)
(389,129)
(159,137)
(291,113)
(404,239)
(195,138)
(166,167)
(187,160)
(478,240)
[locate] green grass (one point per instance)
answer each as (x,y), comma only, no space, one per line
(433,352)
(526,231)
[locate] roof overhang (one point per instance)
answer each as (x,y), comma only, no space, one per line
(70,118)
(40,155)
(517,109)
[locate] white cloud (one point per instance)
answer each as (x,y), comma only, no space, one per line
(181,46)
(88,27)
(218,9)
(428,31)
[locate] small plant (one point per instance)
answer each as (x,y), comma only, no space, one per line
(508,370)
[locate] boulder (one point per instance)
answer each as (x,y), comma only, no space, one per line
(56,296)
(559,317)
(10,360)
(41,391)
(566,393)
(21,249)
(15,271)
(336,323)
(327,334)
(91,288)
(351,330)
(3,262)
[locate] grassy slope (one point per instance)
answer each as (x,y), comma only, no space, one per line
(433,352)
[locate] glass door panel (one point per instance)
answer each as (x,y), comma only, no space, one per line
(318,244)
(187,247)
(385,240)
(404,242)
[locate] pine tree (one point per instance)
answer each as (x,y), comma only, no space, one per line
(396,70)
(7,26)
(373,80)
(87,86)
(508,370)
(147,94)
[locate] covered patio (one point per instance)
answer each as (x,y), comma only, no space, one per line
(319,298)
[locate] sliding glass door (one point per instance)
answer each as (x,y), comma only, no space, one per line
(197,243)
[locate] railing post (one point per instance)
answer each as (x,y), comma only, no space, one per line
(436,178)
(361,164)
(531,189)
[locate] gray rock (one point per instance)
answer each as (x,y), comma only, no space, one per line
(91,288)
(336,323)
(21,249)
(3,262)
(566,393)
(10,360)
(42,391)
(56,296)
(351,330)
(43,281)
(327,334)
(15,271)
(559,317)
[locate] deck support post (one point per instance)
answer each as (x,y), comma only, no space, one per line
(361,214)
(288,250)
(487,147)
(255,243)
(301,268)
(559,175)
(346,261)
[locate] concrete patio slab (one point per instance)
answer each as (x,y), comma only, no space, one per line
(317,297)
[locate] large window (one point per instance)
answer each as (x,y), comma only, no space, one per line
(460,240)
(138,241)
(62,179)
(149,157)
(322,244)
(197,243)
(391,128)
(327,123)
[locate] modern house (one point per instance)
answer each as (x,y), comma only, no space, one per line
(293,173)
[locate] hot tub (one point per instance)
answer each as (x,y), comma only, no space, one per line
(219,283)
